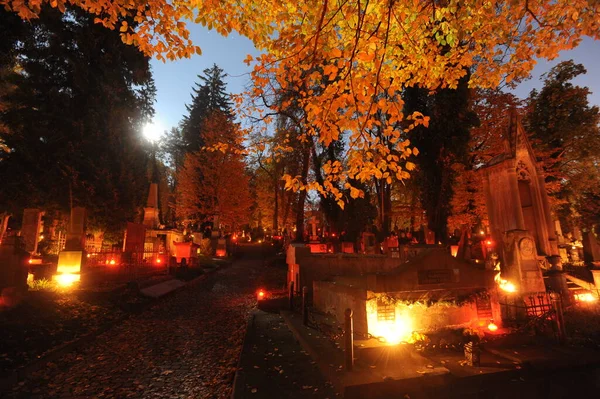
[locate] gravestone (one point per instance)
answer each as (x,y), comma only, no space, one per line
(151,210)
(347,247)
(13,270)
(429,235)
(71,259)
(591,249)
(520,265)
(31,229)
(313,229)
(368,243)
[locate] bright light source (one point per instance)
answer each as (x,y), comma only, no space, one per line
(259,241)
(488,242)
(586,297)
(261,294)
(492,327)
(481,232)
(112,262)
(67,279)
(30,261)
(158,260)
(503,284)
(152,131)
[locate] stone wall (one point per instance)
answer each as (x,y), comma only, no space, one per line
(334,299)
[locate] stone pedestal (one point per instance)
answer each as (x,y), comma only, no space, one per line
(519,260)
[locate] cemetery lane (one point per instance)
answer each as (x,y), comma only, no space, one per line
(187,345)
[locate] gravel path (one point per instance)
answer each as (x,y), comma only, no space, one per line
(186,346)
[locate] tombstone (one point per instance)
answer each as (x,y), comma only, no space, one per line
(368,243)
(151,210)
(13,270)
(520,265)
(31,229)
(515,192)
(429,235)
(591,249)
(71,259)
(221,250)
(347,247)
(313,229)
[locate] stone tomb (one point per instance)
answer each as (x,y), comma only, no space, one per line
(515,192)
(421,290)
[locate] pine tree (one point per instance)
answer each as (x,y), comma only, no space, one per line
(209,95)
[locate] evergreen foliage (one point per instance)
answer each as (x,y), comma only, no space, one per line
(80,97)
(209,95)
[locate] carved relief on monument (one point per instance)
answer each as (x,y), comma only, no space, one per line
(523,172)
(527,247)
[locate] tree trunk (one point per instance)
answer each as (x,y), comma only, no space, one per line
(302,195)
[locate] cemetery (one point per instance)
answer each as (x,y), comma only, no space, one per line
(352,199)
(510,287)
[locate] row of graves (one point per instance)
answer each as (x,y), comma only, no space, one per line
(420,288)
(147,248)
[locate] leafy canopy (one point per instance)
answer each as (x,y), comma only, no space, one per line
(341,55)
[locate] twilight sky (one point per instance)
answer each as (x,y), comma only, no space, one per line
(175,79)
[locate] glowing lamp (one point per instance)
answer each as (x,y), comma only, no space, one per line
(492,327)
(259,241)
(260,295)
(586,297)
(67,279)
(488,243)
(158,261)
(112,262)
(221,252)
(481,232)
(333,234)
(30,261)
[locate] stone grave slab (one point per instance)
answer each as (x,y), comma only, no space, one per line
(158,290)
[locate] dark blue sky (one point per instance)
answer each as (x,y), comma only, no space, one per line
(174,80)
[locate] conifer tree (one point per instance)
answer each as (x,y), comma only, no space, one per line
(209,95)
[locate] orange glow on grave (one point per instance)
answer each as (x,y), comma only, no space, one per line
(489,243)
(112,262)
(221,253)
(67,279)
(393,331)
(585,297)
(492,327)
(503,284)
(158,261)
(260,295)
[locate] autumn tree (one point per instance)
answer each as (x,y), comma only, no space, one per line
(560,118)
(74,120)
(363,49)
(212,183)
